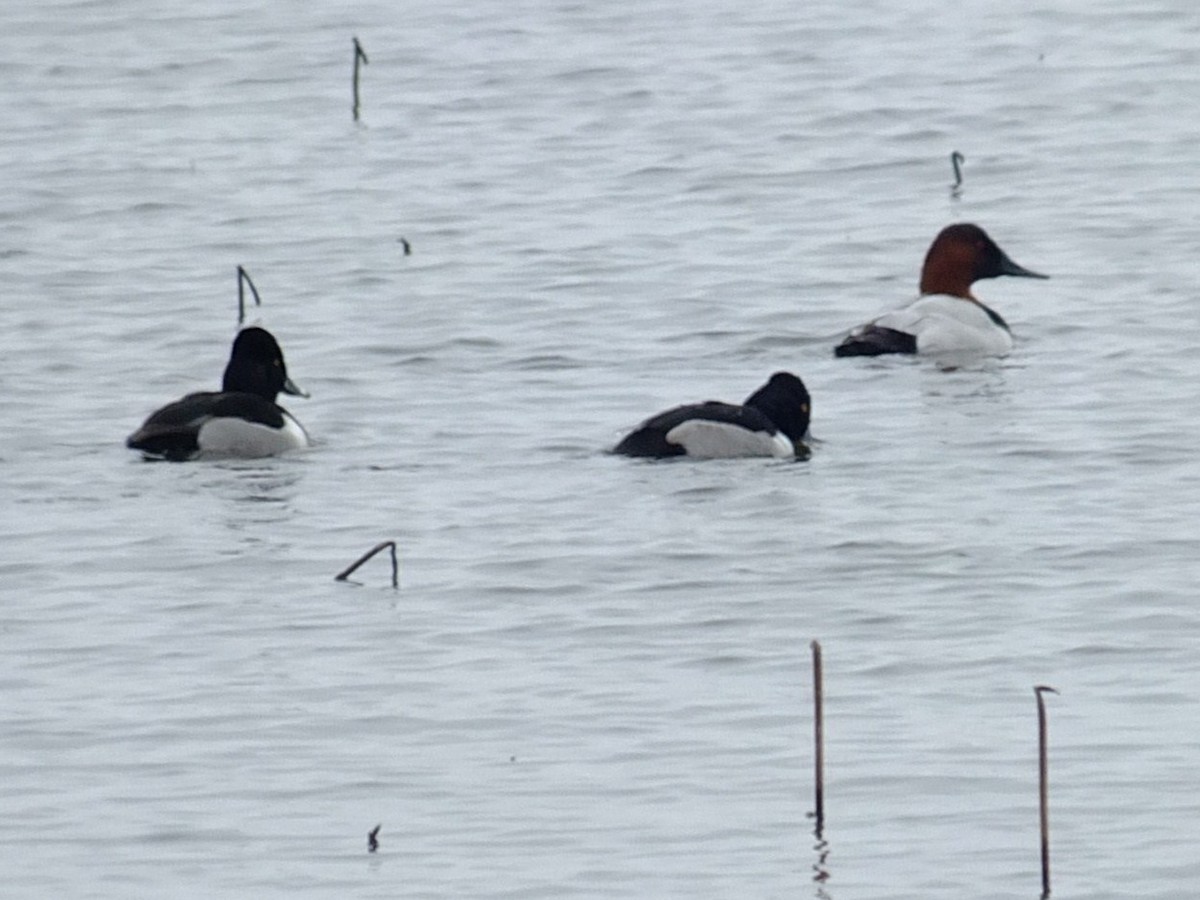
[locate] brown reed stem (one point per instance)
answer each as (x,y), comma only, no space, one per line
(1043,786)
(819,736)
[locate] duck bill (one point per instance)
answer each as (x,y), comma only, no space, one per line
(289,387)
(1008,267)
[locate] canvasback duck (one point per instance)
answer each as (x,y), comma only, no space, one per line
(772,422)
(947,318)
(242,419)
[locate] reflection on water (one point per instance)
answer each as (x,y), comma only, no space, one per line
(266,485)
(820,865)
(976,379)
(254,494)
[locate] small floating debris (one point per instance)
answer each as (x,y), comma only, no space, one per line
(373,839)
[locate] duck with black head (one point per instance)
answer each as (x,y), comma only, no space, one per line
(772,422)
(241,420)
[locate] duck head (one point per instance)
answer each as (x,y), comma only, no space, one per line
(963,254)
(256,366)
(785,401)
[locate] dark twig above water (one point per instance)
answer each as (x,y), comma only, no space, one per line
(373,839)
(818,737)
(360,58)
(821,847)
(956,161)
(1043,786)
(382,545)
(243,280)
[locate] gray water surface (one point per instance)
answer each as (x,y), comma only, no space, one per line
(594,679)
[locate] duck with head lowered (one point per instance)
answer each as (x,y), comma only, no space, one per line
(772,422)
(947,319)
(242,419)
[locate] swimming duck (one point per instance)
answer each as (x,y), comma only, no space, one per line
(772,422)
(242,419)
(947,318)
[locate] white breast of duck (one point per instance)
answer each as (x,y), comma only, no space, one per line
(943,324)
(708,439)
(231,436)
(772,422)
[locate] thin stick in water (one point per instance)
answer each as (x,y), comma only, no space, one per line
(360,56)
(373,839)
(956,160)
(243,280)
(1043,786)
(382,545)
(819,736)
